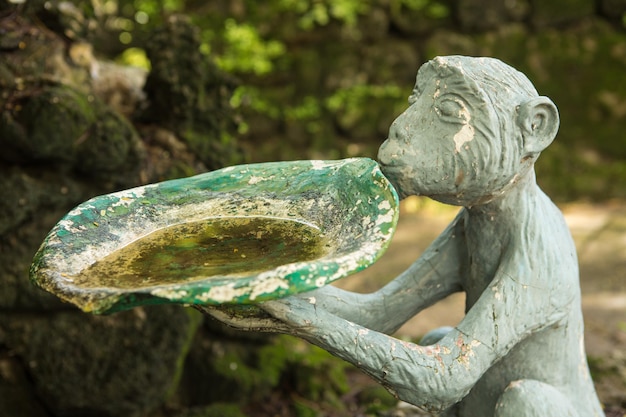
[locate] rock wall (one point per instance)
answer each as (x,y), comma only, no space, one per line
(72,127)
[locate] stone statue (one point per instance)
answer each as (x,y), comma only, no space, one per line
(470,137)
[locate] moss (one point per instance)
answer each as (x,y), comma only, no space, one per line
(107,145)
(375,399)
(188,94)
(123,364)
(252,370)
(225,369)
(176,78)
(54,120)
(195,319)
(214,152)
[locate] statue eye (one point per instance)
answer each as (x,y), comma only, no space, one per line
(450,108)
(453,110)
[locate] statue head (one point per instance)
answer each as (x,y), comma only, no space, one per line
(474,127)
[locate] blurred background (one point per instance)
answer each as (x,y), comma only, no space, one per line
(102,95)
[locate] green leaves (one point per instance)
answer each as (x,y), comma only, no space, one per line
(245,51)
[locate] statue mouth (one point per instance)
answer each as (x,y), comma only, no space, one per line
(398,177)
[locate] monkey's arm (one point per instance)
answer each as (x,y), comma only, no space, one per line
(435,275)
(432,377)
(438,376)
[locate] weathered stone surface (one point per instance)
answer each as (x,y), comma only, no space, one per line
(106,366)
(59,106)
(62,143)
(189,95)
(18,398)
(33,201)
(16,255)
(111,147)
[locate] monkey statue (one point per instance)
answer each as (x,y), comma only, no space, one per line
(470,137)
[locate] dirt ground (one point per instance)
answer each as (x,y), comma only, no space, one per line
(600,235)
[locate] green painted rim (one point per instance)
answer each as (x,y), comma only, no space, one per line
(349,201)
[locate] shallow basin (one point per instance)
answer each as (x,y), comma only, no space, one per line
(238,235)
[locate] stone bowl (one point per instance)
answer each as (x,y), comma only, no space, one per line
(238,235)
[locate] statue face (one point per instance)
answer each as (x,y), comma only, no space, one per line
(473,129)
(437,146)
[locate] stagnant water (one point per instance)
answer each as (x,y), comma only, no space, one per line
(222,247)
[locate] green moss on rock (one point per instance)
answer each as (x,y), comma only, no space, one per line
(121,365)
(54,119)
(110,144)
(188,94)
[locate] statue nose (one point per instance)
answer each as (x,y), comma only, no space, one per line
(389,151)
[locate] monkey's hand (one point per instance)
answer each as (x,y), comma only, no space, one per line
(245,317)
(289,315)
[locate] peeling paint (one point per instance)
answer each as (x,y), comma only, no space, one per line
(255,180)
(384,205)
(466,351)
(267,286)
(466,133)
(496,292)
(222,293)
(169,293)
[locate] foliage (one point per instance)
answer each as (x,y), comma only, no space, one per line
(246,51)
(134,57)
(432,9)
(285,367)
(319,13)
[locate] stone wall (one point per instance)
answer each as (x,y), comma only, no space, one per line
(73,127)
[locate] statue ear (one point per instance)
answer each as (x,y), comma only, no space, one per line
(538,119)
